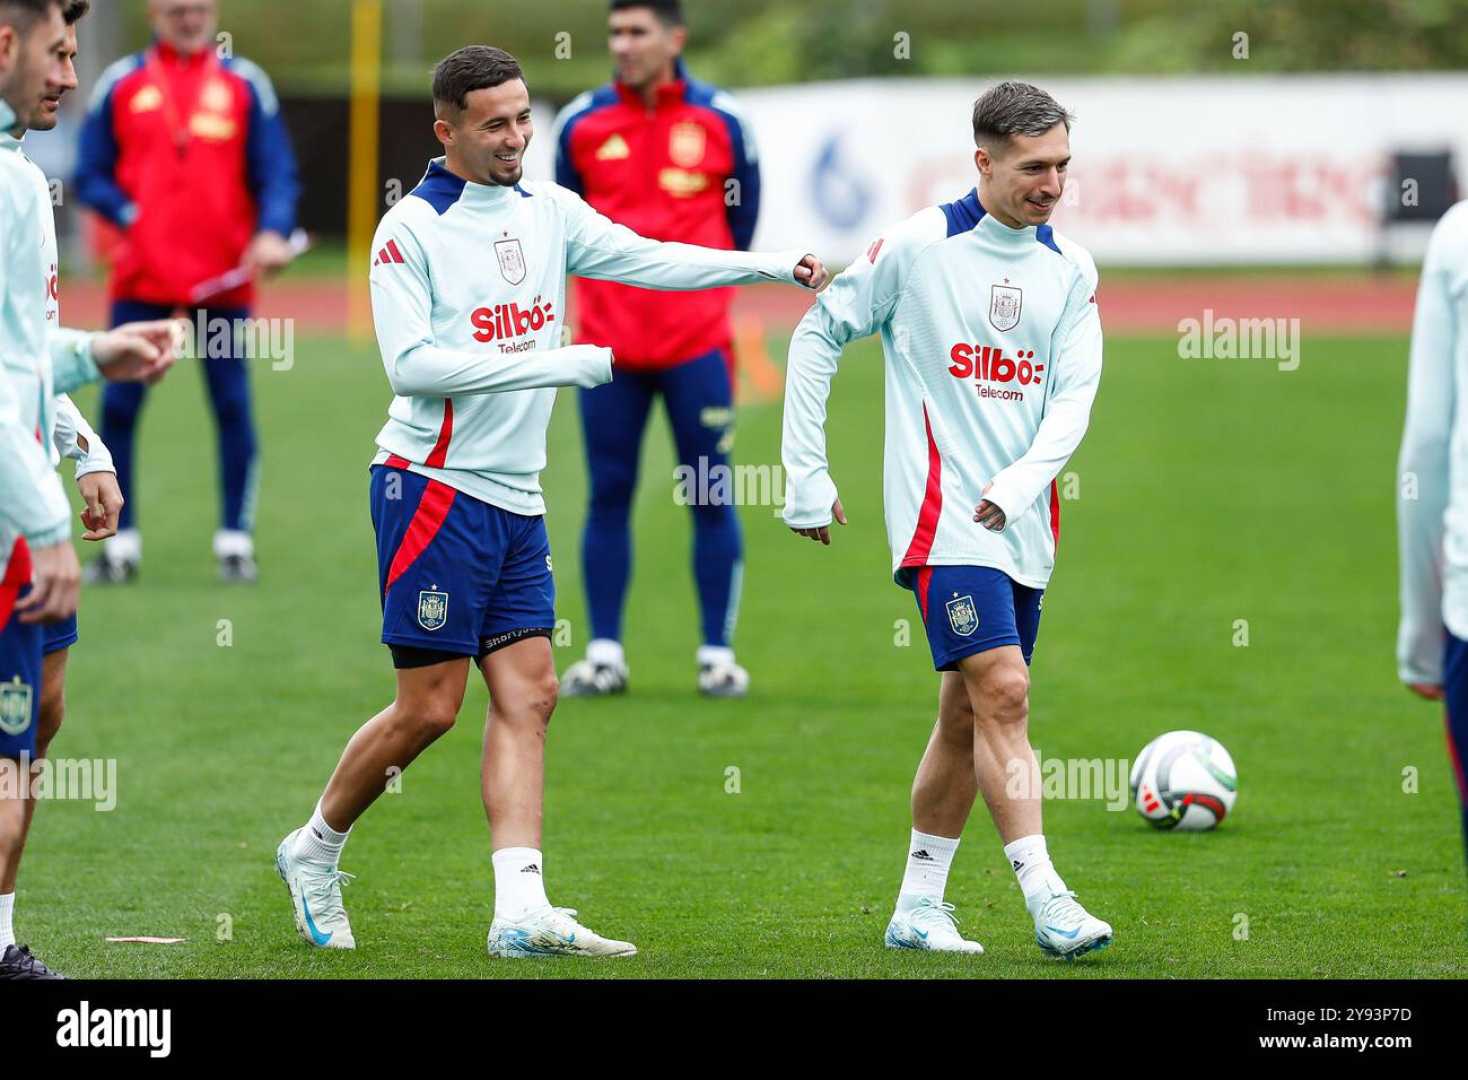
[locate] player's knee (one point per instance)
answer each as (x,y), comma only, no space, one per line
(53,712)
(544,694)
(956,719)
(1005,693)
(433,715)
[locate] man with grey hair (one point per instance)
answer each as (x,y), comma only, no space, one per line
(989,324)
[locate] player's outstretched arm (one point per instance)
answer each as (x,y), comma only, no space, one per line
(137,352)
(597,247)
(860,300)
(1422,465)
(1077,368)
(402,306)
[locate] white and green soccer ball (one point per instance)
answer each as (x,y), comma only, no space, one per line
(1184,780)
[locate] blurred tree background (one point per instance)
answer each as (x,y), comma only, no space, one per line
(303,43)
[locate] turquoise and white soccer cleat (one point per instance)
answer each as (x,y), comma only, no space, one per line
(928,924)
(551,931)
(1065,929)
(316,897)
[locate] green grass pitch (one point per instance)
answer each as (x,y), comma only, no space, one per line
(1209,492)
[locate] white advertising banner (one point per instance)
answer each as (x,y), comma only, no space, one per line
(1174,171)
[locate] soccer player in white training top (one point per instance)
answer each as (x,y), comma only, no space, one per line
(468,290)
(993,355)
(1432,492)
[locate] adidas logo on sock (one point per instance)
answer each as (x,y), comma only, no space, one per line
(316,833)
(922,854)
(531,869)
(1018,866)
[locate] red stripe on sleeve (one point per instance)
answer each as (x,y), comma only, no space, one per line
(927,524)
(397,256)
(445,433)
(1055,513)
(433,510)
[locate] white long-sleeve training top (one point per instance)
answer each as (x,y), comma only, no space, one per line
(468,296)
(1432,469)
(38,359)
(993,357)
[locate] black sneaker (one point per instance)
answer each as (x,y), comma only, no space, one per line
(239,568)
(105,571)
(18,965)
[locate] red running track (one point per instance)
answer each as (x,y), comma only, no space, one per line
(1128,305)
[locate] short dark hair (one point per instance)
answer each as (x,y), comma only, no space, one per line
(474,67)
(73,11)
(1016,108)
(669,11)
(23,13)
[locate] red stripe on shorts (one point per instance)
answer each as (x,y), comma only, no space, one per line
(433,510)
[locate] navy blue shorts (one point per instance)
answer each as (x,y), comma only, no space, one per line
(457,575)
(1455,697)
(58,636)
(971,609)
(20,683)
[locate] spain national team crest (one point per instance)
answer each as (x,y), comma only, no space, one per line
(15,707)
(963,616)
(433,610)
(1005,302)
(687,144)
(512,260)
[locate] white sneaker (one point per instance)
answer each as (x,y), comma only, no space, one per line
(316,897)
(587,679)
(928,924)
(603,673)
(551,931)
(1065,929)
(724,680)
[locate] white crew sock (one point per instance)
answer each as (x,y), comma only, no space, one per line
(519,887)
(126,546)
(715,655)
(232,543)
(1030,861)
(928,860)
(7,928)
(319,842)
(606,651)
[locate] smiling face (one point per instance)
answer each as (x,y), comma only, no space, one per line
(486,140)
(1021,177)
(39,70)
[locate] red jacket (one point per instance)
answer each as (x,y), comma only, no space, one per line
(189,157)
(664,173)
